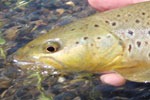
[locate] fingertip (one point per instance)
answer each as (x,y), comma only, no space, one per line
(113,79)
(102,5)
(96,4)
(136,1)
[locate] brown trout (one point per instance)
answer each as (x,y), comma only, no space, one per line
(117,40)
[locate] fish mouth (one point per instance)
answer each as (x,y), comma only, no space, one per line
(33,63)
(15,61)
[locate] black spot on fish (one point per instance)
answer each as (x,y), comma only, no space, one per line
(92,44)
(72,29)
(85,38)
(118,15)
(149,55)
(143,13)
(98,38)
(148,32)
(146,43)
(126,20)
(96,25)
(114,24)
(81,28)
(107,22)
(138,43)
(130,32)
(77,42)
(130,47)
(137,21)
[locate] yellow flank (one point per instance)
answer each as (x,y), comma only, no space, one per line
(116,40)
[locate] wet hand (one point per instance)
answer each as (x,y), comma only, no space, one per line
(103,5)
(113,79)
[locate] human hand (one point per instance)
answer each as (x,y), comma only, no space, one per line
(112,78)
(103,5)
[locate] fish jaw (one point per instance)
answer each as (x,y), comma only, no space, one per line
(34,63)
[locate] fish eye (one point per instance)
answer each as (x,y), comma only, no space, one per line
(51,46)
(51,49)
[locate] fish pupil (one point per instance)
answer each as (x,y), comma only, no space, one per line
(51,49)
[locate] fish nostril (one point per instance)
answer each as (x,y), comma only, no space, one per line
(12,58)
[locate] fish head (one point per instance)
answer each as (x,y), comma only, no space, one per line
(71,49)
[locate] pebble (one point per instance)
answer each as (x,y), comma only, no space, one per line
(61,79)
(77,98)
(65,96)
(60,11)
(11,33)
(70,3)
(43,32)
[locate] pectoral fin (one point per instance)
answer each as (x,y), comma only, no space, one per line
(137,74)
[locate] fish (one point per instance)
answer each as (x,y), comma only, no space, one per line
(117,40)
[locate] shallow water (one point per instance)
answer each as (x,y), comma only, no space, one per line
(23,20)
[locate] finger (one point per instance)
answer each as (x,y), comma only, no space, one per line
(113,79)
(102,5)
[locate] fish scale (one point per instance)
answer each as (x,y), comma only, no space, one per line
(117,40)
(126,23)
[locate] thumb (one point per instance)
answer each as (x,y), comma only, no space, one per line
(102,5)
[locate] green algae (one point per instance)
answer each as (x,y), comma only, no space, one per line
(40,78)
(2,42)
(43,97)
(8,3)
(22,3)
